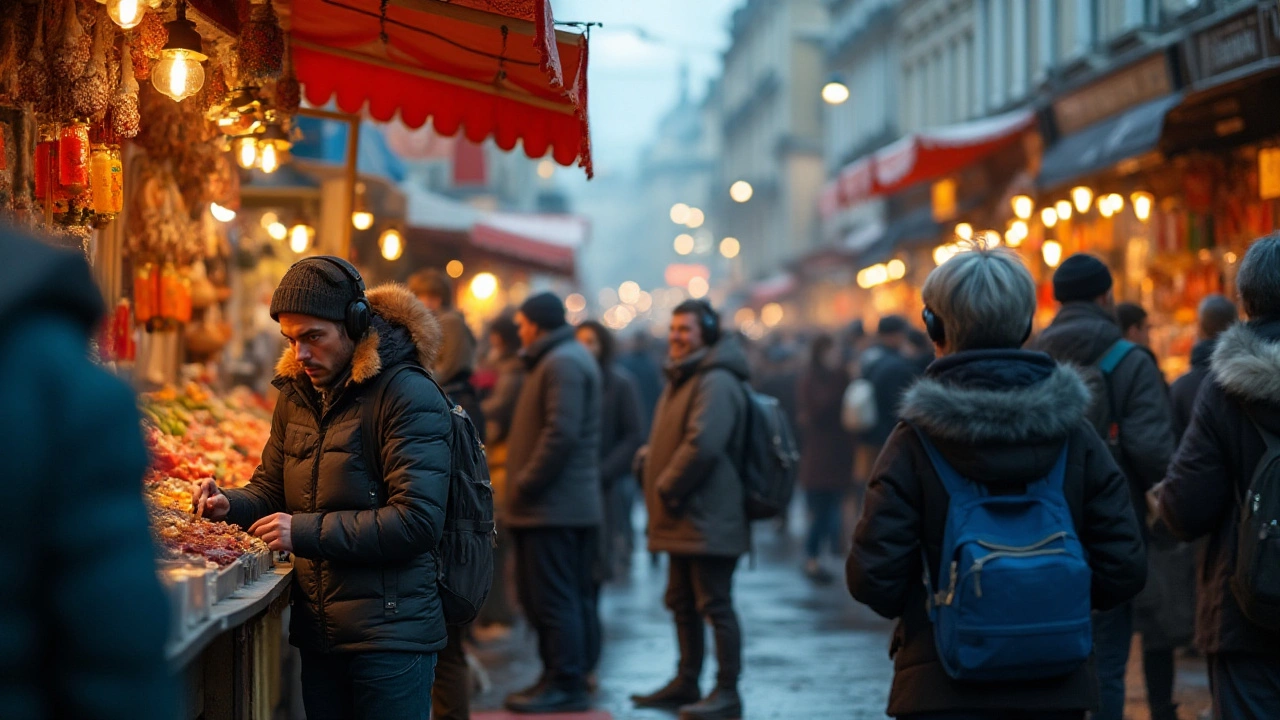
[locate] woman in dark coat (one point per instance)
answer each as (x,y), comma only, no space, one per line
(1000,416)
(826,456)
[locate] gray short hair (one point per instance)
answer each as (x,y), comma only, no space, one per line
(1259,279)
(984,297)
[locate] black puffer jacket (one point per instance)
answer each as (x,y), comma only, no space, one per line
(891,374)
(1211,470)
(1080,335)
(1183,391)
(82,617)
(365,575)
(689,472)
(1000,418)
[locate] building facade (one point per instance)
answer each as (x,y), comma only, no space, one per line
(772,130)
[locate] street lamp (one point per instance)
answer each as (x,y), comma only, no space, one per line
(741,191)
(835,92)
(1142,202)
(391,244)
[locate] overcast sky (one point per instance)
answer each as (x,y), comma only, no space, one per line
(633,80)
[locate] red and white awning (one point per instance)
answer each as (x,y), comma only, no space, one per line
(922,157)
(486,68)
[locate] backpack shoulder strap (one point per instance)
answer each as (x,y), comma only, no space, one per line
(955,484)
(369,413)
(1114,355)
(1057,477)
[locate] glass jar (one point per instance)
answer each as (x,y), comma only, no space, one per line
(107,179)
(73,156)
(46,168)
(146,291)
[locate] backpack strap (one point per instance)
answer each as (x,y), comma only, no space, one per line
(370,404)
(1054,482)
(955,484)
(1116,353)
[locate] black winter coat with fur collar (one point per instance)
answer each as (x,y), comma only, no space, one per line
(1000,418)
(364,572)
(1209,474)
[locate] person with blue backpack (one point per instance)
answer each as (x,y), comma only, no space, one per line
(996,520)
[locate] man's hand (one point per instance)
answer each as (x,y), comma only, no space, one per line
(276,531)
(209,501)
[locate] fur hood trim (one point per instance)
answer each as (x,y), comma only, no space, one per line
(1045,410)
(395,306)
(1247,365)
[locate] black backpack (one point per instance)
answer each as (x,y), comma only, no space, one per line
(770,458)
(465,552)
(1256,580)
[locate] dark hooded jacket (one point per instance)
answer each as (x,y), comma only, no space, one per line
(890,373)
(82,617)
(1183,391)
(1211,471)
(553,462)
(692,488)
(1000,418)
(364,571)
(1080,335)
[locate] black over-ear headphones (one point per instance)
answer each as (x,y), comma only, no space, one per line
(938,332)
(359,314)
(710,321)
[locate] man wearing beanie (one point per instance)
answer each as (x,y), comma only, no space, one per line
(366,613)
(1131,412)
(554,504)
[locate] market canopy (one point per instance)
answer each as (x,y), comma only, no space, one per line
(487,68)
(922,157)
(1132,133)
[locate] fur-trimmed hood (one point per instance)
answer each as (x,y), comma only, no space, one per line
(1246,362)
(997,396)
(402,329)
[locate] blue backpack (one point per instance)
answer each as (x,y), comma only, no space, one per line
(1012,600)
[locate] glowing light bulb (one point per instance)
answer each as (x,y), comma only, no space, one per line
(362,219)
(484,285)
(270,160)
(1064,209)
(683,244)
(575,303)
(1049,216)
(698,287)
(178,75)
(1023,206)
(835,93)
(277,231)
(125,13)
(1052,252)
(741,191)
(221,214)
(392,244)
(679,213)
(299,238)
(629,292)
(246,152)
(730,247)
(771,314)
(1082,197)
(1142,204)
(454,269)
(964,231)
(897,269)
(696,218)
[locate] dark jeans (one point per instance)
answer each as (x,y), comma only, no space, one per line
(1245,687)
(701,588)
(1112,636)
(554,578)
(367,685)
(451,693)
(1158,668)
(825,511)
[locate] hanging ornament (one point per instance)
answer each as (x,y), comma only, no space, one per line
(90,95)
(73,156)
(125,120)
(126,13)
(149,39)
(261,46)
(34,76)
(76,46)
(215,88)
(288,89)
(180,72)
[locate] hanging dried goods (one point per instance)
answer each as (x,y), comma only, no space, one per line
(76,45)
(149,39)
(288,89)
(90,94)
(34,75)
(261,49)
(125,119)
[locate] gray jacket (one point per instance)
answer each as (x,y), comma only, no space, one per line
(692,488)
(553,448)
(1081,334)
